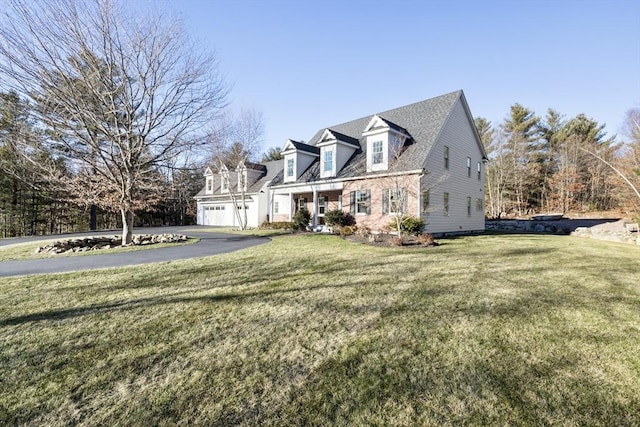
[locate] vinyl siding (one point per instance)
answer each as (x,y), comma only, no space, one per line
(458,135)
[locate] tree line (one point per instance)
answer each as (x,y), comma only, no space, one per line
(557,164)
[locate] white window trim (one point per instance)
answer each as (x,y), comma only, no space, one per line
(374,153)
(291,162)
(364,203)
(392,204)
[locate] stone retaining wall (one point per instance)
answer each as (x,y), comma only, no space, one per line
(615,230)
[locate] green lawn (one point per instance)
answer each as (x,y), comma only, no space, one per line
(314,330)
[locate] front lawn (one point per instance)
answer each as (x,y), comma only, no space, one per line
(314,330)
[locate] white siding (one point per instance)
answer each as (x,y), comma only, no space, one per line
(458,135)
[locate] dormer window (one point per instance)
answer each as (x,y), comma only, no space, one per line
(224,179)
(377,153)
(290,168)
(209,185)
(224,182)
(328,161)
(385,142)
(241,169)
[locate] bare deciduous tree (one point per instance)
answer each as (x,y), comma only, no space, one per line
(121,95)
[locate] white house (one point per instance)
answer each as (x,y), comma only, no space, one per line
(230,196)
(424,159)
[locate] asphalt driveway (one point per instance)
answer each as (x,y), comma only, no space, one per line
(210,244)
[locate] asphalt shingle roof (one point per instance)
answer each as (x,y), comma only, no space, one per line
(422,120)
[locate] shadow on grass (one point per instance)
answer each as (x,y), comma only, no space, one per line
(62,314)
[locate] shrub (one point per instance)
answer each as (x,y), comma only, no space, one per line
(338,218)
(347,230)
(425,239)
(396,241)
(409,224)
(301,219)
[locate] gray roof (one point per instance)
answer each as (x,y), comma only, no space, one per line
(342,137)
(305,147)
(257,175)
(422,121)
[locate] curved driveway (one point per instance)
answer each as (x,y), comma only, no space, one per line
(210,244)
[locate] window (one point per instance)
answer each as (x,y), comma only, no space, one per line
(276,207)
(302,203)
(469,167)
(479,203)
(340,202)
(394,201)
(425,202)
(479,170)
(328,161)
(224,183)
(290,167)
(446,157)
(377,156)
(360,202)
(209,185)
(323,201)
(468,205)
(445,204)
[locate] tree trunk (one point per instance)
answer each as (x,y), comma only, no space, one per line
(127,227)
(93,218)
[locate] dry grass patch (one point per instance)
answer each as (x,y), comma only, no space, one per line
(313,330)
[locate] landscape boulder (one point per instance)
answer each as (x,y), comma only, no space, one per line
(94,243)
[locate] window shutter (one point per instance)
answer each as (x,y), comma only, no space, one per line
(385,201)
(368,202)
(352,202)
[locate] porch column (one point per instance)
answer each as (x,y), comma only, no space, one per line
(315,208)
(290,207)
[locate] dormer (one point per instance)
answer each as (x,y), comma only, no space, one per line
(208,179)
(224,179)
(241,169)
(335,150)
(298,156)
(384,141)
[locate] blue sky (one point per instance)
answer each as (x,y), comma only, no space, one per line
(308,65)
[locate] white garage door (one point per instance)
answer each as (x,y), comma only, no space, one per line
(217,215)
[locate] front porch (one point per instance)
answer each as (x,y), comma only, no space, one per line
(316,199)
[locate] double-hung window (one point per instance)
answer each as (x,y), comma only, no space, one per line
(469,167)
(377,156)
(479,170)
(328,161)
(359,202)
(362,202)
(394,201)
(468,205)
(290,168)
(425,202)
